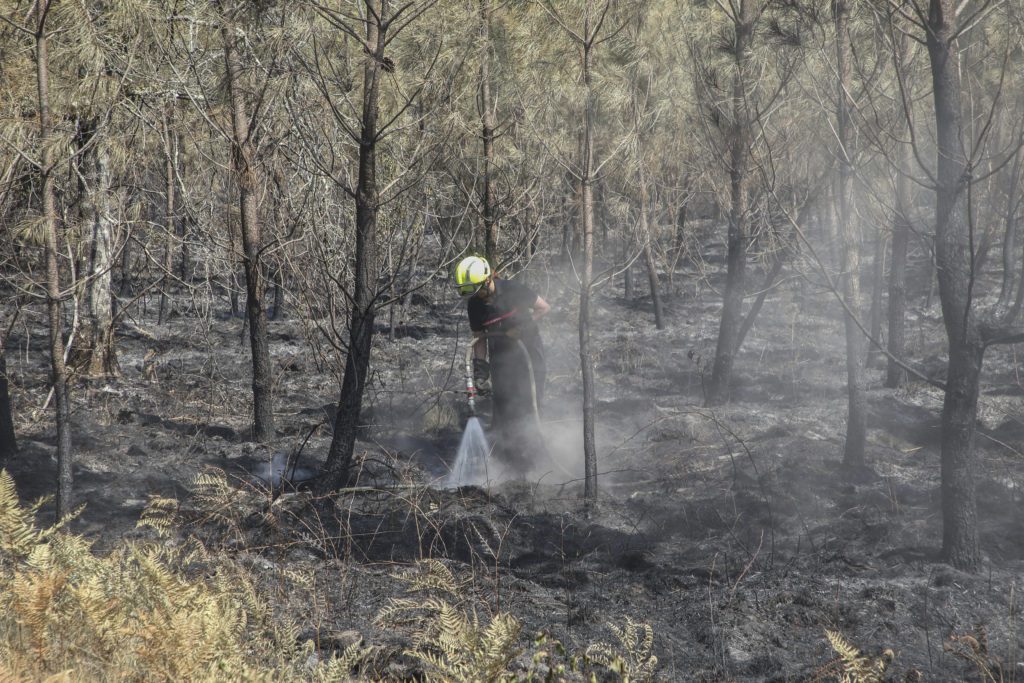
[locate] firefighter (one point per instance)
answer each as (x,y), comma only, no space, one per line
(503,317)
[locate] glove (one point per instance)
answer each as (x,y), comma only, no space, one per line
(481,371)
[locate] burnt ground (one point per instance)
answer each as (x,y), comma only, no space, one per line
(733,531)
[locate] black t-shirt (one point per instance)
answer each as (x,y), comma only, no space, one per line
(509,307)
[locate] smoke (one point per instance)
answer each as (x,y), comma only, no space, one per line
(561,459)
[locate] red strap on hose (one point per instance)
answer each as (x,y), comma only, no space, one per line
(501,317)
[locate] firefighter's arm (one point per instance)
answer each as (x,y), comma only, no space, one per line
(481,368)
(540,308)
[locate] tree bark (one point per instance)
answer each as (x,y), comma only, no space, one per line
(680,238)
(652,268)
(678,243)
(895,376)
(243,162)
(856,421)
(739,212)
(587,273)
(8,440)
(954,265)
(877,286)
(58,370)
(97,355)
(487,123)
(287,228)
(170,154)
(364,286)
(1010,248)
(627,269)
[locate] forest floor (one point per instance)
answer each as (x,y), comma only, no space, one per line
(734,531)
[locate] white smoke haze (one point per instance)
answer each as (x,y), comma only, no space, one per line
(562,459)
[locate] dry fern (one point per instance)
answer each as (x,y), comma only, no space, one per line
(143,612)
(633,660)
(973,648)
(432,575)
(18,532)
(853,666)
(160,514)
(449,639)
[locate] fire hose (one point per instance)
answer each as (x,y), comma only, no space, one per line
(471,388)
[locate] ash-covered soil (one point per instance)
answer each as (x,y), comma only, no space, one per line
(734,532)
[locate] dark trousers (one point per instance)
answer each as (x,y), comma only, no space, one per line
(513,387)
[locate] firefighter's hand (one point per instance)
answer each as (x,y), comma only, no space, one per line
(481,372)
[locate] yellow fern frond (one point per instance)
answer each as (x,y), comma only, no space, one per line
(34,593)
(432,574)
(633,658)
(214,487)
(448,638)
(857,667)
(842,646)
(18,534)
(160,514)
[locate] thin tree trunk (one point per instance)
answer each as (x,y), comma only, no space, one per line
(1010,247)
(124,282)
(627,269)
(895,376)
(856,421)
(755,308)
(832,229)
(58,371)
(564,252)
(8,440)
(930,271)
(170,154)
(678,243)
(231,282)
(95,345)
(954,262)
(487,123)
(389,264)
(680,238)
(803,216)
(287,227)
(278,279)
(652,268)
(184,267)
(586,276)
(1018,301)
(877,284)
(739,213)
(243,163)
(364,298)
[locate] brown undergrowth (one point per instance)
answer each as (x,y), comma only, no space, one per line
(169,608)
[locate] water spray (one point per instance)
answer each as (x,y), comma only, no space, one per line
(470,466)
(471,461)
